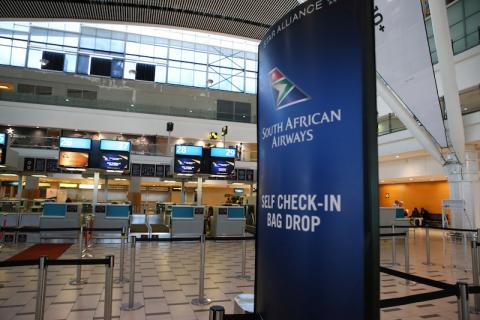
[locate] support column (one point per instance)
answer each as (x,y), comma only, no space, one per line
(105,190)
(96,181)
(183,193)
(464,185)
(20,187)
(443,44)
(199,191)
(32,190)
(135,194)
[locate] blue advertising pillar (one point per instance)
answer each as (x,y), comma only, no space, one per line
(317,233)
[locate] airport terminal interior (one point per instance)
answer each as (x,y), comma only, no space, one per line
(133,161)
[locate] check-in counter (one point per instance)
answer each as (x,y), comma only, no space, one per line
(390,216)
(60,215)
(29,220)
(187,221)
(9,220)
(110,216)
(228,221)
(156,225)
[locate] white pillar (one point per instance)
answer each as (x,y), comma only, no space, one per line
(96,181)
(199,191)
(105,190)
(20,187)
(443,43)
(183,193)
(31,183)
(463,181)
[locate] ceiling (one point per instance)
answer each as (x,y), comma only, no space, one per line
(245,18)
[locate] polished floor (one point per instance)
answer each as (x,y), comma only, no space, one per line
(167,280)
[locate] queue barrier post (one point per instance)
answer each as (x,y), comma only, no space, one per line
(427,246)
(201,300)
(462,301)
(132,305)
(216,313)
(407,256)
(394,248)
(107,307)
(243,275)
(121,278)
(78,280)
(475,275)
(41,288)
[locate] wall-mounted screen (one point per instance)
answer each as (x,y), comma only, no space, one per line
(2,139)
(195,151)
(238,190)
(223,153)
(113,145)
(222,167)
(112,161)
(73,159)
(75,143)
(187,165)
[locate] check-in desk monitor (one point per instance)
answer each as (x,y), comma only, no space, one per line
(110,216)
(187,221)
(60,215)
(228,221)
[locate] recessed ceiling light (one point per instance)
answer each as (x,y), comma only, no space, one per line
(67,100)
(397,156)
(37,127)
(411,179)
(132,105)
(465,109)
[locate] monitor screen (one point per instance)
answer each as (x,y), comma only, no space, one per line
(222,167)
(112,161)
(238,190)
(223,153)
(187,165)
(114,145)
(2,139)
(75,143)
(73,159)
(195,151)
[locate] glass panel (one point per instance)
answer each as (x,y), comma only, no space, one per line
(455,13)
(238,83)
(250,85)
(18,57)
(146,50)
(457,32)
(471,6)
(472,40)
(129,66)
(132,48)
(5,55)
(71,39)
(55,37)
(160,52)
(459,46)
(188,55)
(473,22)
(117,68)
(102,44)
(428,25)
(174,75)
(175,54)
(70,63)
(34,57)
(201,57)
(160,74)
(83,64)
(251,65)
(187,77)
(117,46)
(200,79)
(87,42)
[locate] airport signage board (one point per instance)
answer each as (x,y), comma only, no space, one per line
(3,139)
(114,161)
(75,143)
(182,150)
(222,166)
(317,237)
(3,148)
(187,165)
(73,159)
(222,153)
(114,145)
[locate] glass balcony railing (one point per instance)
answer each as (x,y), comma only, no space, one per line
(126,107)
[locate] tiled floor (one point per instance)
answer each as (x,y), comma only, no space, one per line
(167,280)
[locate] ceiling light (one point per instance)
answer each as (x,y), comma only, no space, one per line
(411,179)
(39,175)
(2,166)
(68,185)
(88,186)
(132,105)
(8,175)
(120,179)
(465,109)
(37,127)
(10,131)
(397,156)
(75,169)
(115,171)
(169,181)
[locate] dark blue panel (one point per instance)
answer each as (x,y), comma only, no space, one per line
(313,244)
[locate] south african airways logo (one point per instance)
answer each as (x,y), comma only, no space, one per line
(285,92)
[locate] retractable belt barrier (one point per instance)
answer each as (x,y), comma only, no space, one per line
(397,234)
(180,239)
(31,229)
(43,263)
(431,227)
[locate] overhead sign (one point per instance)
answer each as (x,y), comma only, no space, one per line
(114,161)
(316,233)
(403,61)
(187,165)
(114,145)
(188,150)
(75,143)
(223,152)
(73,159)
(222,167)
(2,139)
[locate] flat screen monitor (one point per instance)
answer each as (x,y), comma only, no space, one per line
(187,165)
(2,139)
(114,161)
(223,153)
(72,159)
(75,143)
(195,151)
(114,145)
(222,167)
(238,190)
